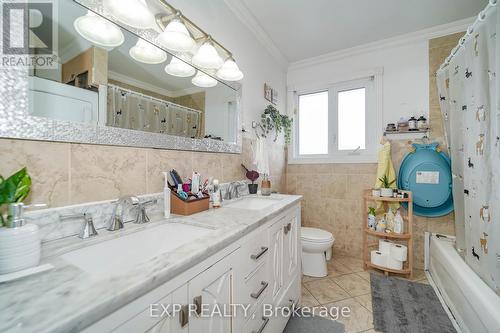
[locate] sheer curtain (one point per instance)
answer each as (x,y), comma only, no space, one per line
(468,94)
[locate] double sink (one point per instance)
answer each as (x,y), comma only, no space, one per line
(124,253)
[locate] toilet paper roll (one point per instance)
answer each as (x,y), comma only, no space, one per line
(378,258)
(394,263)
(399,252)
(384,246)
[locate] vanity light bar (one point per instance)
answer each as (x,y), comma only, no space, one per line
(198,34)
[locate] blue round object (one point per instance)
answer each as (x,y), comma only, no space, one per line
(427,173)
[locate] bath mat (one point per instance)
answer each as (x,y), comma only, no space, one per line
(401,306)
(313,325)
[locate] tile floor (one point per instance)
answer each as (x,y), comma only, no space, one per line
(347,285)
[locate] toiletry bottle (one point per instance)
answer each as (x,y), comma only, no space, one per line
(22,240)
(389,219)
(216,195)
(195,182)
(166,197)
(398,223)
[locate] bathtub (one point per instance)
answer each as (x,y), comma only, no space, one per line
(472,303)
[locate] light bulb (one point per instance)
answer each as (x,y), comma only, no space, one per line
(203,80)
(207,57)
(147,53)
(229,71)
(176,37)
(99,31)
(179,68)
(134,13)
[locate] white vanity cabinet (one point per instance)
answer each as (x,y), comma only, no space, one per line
(263,267)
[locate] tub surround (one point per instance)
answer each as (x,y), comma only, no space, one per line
(65,299)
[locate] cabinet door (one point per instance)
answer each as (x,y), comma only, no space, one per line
(291,246)
(276,258)
(210,295)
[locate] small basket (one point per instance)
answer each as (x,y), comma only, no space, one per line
(188,207)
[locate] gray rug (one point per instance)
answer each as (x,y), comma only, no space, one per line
(313,325)
(401,306)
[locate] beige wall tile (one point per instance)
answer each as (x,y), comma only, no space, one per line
(48,166)
(106,172)
(165,160)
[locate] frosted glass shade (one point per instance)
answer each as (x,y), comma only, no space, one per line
(176,37)
(203,80)
(134,13)
(179,68)
(207,57)
(147,53)
(99,31)
(229,71)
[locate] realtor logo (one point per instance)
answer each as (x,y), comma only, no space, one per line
(29,33)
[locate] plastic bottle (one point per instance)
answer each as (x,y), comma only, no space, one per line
(216,196)
(398,223)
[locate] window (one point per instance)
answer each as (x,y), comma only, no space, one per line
(337,124)
(313,127)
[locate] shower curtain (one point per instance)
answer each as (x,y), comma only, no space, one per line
(469,99)
(136,111)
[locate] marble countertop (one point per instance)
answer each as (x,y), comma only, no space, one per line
(65,299)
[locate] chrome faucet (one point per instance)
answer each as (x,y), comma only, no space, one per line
(233,190)
(116,222)
(142,216)
(87,230)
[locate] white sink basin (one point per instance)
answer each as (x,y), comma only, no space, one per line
(121,254)
(253,203)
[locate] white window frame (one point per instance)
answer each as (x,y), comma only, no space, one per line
(373,122)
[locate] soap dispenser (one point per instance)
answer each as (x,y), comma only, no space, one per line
(20,244)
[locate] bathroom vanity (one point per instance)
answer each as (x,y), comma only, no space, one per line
(247,252)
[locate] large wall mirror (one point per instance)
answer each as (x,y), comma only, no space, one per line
(115,84)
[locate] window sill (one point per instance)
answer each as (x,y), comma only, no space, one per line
(341,159)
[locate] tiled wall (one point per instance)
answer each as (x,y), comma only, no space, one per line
(65,173)
(333,192)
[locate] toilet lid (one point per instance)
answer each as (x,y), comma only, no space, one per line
(315,235)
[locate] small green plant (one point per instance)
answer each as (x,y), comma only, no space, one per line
(385,181)
(272,119)
(15,188)
(371,211)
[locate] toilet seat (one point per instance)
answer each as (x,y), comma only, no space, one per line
(315,235)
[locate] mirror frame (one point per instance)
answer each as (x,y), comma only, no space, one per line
(17,123)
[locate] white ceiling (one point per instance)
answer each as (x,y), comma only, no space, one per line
(301,29)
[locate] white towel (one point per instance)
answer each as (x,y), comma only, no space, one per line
(261,157)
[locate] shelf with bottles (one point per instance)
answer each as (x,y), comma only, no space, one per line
(379,224)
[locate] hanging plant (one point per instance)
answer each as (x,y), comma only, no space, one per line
(273,120)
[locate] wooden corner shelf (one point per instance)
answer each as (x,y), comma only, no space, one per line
(387,235)
(405,237)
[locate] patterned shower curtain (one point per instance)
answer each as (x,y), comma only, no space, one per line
(469,100)
(136,111)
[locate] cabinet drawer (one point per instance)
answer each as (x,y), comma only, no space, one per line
(257,322)
(255,287)
(254,252)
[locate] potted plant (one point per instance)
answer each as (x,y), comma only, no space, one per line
(386,190)
(273,120)
(251,175)
(14,189)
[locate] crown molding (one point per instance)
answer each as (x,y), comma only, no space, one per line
(401,40)
(139,84)
(246,17)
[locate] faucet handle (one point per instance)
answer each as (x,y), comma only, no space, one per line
(142,216)
(87,230)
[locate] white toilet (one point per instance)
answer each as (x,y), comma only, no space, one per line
(316,250)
